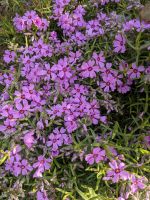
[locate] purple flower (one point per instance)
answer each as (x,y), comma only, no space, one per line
(29,139)
(22,108)
(108,83)
(55,139)
(117,172)
(9,56)
(43,25)
(62,68)
(135,71)
(97,155)
(79,90)
(119,43)
(137,183)
(147,140)
(42,164)
(99,59)
(89,69)
(8,127)
(42,195)
(22,167)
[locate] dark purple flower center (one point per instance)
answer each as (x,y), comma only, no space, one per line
(55,111)
(117,171)
(42,162)
(135,182)
(108,84)
(22,96)
(65,69)
(90,69)
(107,71)
(121,43)
(31,91)
(135,71)
(54,140)
(10,116)
(49,71)
(21,111)
(40,46)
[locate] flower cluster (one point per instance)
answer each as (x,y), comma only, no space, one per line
(59,85)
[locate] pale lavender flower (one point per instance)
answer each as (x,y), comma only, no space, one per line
(96,156)
(116,172)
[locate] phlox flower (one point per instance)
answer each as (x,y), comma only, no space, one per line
(22,108)
(78,20)
(55,111)
(8,127)
(99,59)
(55,140)
(89,69)
(137,183)
(19,23)
(22,167)
(41,195)
(8,79)
(79,38)
(79,90)
(108,84)
(119,43)
(107,70)
(29,139)
(135,71)
(116,172)
(62,68)
(9,56)
(41,165)
(96,156)
(43,25)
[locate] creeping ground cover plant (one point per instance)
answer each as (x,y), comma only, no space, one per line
(74,102)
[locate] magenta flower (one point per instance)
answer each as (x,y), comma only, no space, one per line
(9,56)
(119,43)
(96,156)
(135,71)
(89,69)
(117,172)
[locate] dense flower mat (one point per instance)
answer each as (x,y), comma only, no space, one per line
(74,105)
